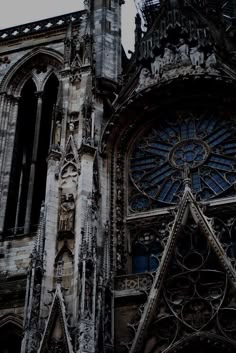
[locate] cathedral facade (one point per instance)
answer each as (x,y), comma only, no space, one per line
(118,181)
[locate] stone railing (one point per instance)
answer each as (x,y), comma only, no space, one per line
(138,282)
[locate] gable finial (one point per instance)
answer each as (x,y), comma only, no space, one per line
(186,177)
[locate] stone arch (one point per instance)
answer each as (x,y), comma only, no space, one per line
(41,67)
(65,259)
(20,72)
(10,333)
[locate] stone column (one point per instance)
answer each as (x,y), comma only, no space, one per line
(65,79)
(9,119)
(51,220)
(33,162)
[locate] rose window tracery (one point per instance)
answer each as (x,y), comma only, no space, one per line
(205,146)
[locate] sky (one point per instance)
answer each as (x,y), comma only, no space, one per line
(16,12)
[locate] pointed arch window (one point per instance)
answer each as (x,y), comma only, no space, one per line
(10,338)
(29,163)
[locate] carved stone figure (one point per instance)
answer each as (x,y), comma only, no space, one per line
(66,215)
(196,56)
(156,66)
(144,78)
(57,134)
(183,52)
(169,56)
(211,60)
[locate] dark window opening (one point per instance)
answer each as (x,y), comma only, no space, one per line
(49,100)
(10,339)
(25,199)
(22,154)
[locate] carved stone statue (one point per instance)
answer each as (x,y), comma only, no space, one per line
(144,78)
(211,60)
(169,56)
(183,52)
(66,215)
(57,134)
(196,56)
(157,66)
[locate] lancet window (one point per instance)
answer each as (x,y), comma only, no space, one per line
(31,146)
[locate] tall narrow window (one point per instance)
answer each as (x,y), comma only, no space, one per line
(22,155)
(49,99)
(29,165)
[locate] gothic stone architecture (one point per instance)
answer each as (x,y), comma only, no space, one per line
(118,181)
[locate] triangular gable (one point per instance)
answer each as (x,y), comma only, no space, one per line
(188,208)
(69,158)
(57,316)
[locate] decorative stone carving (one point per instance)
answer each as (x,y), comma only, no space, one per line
(145,78)
(88,129)
(156,67)
(196,56)
(183,52)
(4,61)
(57,133)
(56,346)
(66,214)
(141,282)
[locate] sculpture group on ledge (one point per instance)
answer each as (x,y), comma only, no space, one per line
(180,59)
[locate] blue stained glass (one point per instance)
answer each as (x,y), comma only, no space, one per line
(191,129)
(211,124)
(231,177)
(220,180)
(196,182)
(148,163)
(153,263)
(196,143)
(159,175)
(212,184)
(218,137)
(172,192)
(140,263)
(165,190)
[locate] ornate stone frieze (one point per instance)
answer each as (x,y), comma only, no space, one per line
(139,282)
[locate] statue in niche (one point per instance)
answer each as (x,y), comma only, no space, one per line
(57,134)
(66,214)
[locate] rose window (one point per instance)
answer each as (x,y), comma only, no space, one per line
(159,158)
